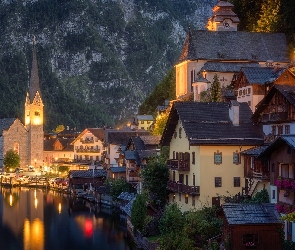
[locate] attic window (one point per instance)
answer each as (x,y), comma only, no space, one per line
(180,129)
(175,135)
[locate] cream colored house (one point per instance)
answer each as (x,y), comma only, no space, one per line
(26,139)
(144,121)
(89,146)
(205,142)
(223,50)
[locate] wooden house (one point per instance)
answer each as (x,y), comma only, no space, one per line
(95,177)
(251,226)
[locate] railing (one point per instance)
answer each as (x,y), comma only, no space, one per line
(277,116)
(260,176)
(89,150)
(133,179)
(87,141)
(180,165)
(182,188)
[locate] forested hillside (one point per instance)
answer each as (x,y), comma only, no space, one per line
(97,60)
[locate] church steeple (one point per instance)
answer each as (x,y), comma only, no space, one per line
(34,80)
(34,113)
(223,18)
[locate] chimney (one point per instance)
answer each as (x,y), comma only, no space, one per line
(234,112)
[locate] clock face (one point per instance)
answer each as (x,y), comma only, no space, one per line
(226,24)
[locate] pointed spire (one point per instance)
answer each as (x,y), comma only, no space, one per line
(34,80)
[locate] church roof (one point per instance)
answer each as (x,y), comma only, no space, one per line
(34,81)
(209,124)
(234,45)
(217,66)
(5,124)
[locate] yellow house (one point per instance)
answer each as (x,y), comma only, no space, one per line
(205,142)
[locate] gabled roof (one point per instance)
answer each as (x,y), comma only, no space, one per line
(249,214)
(150,139)
(126,196)
(88,173)
(128,207)
(280,141)
(254,151)
(144,117)
(287,91)
(234,45)
(121,137)
(118,169)
(260,75)
(209,124)
(5,124)
(217,66)
(137,142)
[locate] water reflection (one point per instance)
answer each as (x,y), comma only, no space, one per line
(38,220)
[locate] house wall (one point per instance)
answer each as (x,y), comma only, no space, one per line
(17,134)
(268,236)
(205,171)
(92,143)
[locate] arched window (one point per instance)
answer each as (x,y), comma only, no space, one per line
(16,147)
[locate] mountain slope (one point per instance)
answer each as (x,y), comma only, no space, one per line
(98,59)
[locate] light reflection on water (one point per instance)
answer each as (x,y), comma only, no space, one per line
(37,220)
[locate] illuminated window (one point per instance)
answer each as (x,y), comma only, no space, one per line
(16,147)
(37,113)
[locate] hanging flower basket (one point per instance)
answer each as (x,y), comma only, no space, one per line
(279,182)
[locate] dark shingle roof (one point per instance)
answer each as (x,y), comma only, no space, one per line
(118,169)
(5,124)
(260,75)
(215,66)
(138,143)
(248,213)
(121,137)
(128,207)
(88,173)
(209,124)
(283,139)
(126,196)
(151,139)
(254,151)
(234,45)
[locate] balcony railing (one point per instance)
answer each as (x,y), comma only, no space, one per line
(182,188)
(180,165)
(89,150)
(260,176)
(87,141)
(133,179)
(277,116)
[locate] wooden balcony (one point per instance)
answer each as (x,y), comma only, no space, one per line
(89,150)
(133,179)
(260,176)
(175,187)
(87,141)
(180,165)
(273,117)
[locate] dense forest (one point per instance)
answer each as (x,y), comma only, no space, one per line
(255,16)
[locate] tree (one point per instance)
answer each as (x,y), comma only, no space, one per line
(160,123)
(11,160)
(215,90)
(269,16)
(155,177)
(139,212)
(63,169)
(118,186)
(59,129)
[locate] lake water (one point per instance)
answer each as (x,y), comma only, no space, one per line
(33,219)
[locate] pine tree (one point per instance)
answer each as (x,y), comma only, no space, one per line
(215,91)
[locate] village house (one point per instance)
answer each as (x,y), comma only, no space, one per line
(251,226)
(223,50)
(144,121)
(205,141)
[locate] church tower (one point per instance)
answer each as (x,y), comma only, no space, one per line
(34,116)
(223,18)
